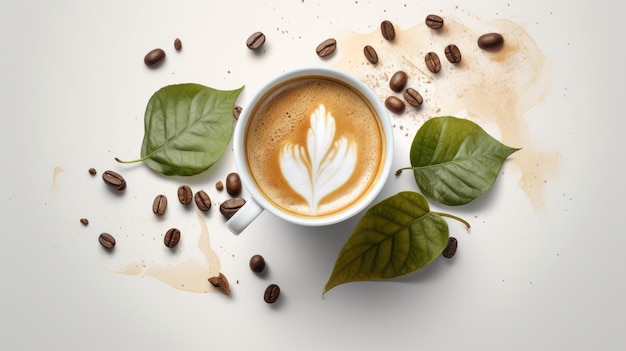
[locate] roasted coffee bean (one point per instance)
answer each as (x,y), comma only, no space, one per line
(432,62)
(92,171)
(450,249)
(398,81)
(178,44)
(185,195)
(255,41)
(326,47)
(221,282)
(114,180)
(453,54)
(394,104)
(107,240)
(412,97)
(386,27)
(271,293)
(257,263)
(233,184)
(159,205)
(229,207)
(370,54)
(172,237)
(237,112)
(202,200)
(219,185)
(154,57)
(84,221)
(434,21)
(490,41)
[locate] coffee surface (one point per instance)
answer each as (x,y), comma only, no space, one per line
(314,146)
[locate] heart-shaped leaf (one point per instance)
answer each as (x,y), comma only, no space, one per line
(455,161)
(397,236)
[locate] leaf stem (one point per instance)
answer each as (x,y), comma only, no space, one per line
(403,169)
(454,217)
(131,161)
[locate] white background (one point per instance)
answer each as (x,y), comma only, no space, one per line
(73,89)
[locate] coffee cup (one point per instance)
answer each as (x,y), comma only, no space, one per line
(313,146)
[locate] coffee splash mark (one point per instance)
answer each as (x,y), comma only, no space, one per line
(55,174)
(493,87)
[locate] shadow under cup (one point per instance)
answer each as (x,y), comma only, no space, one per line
(313,147)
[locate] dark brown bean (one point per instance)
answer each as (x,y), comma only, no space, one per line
(219,185)
(432,62)
(490,41)
(370,54)
(229,207)
(386,27)
(237,112)
(159,205)
(257,263)
(221,282)
(233,184)
(114,179)
(202,200)
(93,171)
(255,41)
(450,249)
(154,57)
(394,104)
(172,237)
(178,44)
(185,195)
(453,54)
(107,240)
(413,97)
(326,47)
(272,292)
(398,81)
(84,221)
(434,21)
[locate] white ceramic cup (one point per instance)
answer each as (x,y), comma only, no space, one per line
(257,202)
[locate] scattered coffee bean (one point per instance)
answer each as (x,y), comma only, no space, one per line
(154,57)
(257,263)
(172,237)
(326,47)
(159,205)
(255,41)
(233,184)
(178,44)
(386,27)
(453,54)
(432,62)
(219,185)
(185,195)
(370,54)
(398,81)
(434,21)
(394,104)
(271,293)
(93,171)
(490,41)
(84,221)
(450,249)
(107,240)
(412,97)
(114,180)
(229,207)
(202,200)
(221,282)
(237,112)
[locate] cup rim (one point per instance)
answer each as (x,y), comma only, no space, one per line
(244,172)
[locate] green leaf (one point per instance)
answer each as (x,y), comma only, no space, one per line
(397,236)
(455,161)
(187,128)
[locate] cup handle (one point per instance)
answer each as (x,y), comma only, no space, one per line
(246,214)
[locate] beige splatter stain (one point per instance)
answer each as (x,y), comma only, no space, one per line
(189,275)
(55,175)
(489,87)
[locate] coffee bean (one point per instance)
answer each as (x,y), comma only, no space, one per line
(453,54)
(394,104)
(233,184)
(159,205)
(386,27)
(84,221)
(172,237)
(326,47)
(202,200)
(237,112)
(271,293)
(229,207)
(219,185)
(370,54)
(178,44)
(255,41)
(257,263)
(92,171)
(221,282)
(412,97)
(434,21)
(490,41)
(450,249)
(107,240)
(432,62)
(114,180)
(398,81)
(154,57)
(185,195)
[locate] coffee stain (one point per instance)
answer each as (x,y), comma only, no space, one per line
(189,275)
(487,86)
(55,174)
